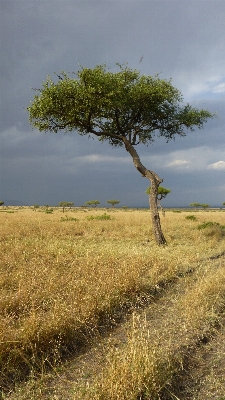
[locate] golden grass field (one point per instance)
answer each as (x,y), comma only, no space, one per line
(68,278)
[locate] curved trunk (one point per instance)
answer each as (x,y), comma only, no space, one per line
(155,182)
(153,200)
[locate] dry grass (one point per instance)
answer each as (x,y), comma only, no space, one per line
(61,280)
(154,352)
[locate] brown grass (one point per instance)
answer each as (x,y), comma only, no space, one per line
(61,280)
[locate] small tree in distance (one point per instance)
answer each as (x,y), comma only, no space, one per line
(113,202)
(122,108)
(195,205)
(65,204)
(1,203)
(93,203)
(162,193)
(204,206)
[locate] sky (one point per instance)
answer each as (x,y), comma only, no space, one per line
(182,40)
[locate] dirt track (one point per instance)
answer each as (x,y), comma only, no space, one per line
(202,376)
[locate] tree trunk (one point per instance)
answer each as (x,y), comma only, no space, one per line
(155,182)
(156,226)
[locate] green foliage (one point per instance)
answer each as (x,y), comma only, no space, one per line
(66,218)
(102,217)
(162,192)
(204,206)
(1,203)
(93,203)
(195,205)
(113,202)
(66,204)
(114,105)
(212,229)
(207,224)
(49,211)
(191,217)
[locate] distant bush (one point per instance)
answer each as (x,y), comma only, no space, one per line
(99,217)
(191,217)
(176,211)
(208,224)
(213,229)
(66,218)
(49,211)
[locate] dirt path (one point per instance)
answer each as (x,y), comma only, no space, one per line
(202,378)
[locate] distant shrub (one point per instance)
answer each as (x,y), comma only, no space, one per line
(176,211)
(49,211)
(191,217)
(99,217)
(213,229)
(207,224)
(66,218)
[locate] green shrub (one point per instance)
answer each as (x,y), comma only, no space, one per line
(49,211)
(191,217)
(99,217)
(66,218)
(207,224)
(213,229)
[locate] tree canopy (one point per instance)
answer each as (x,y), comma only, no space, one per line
(113,202)
(162,192)
(114,106)
(93,203)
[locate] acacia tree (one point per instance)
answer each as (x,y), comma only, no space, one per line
(162,193)
(65,204)
(123,108)
(195,205)
(113,202)
(93,203)
(204,206)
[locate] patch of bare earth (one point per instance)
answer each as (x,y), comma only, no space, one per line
(203,376)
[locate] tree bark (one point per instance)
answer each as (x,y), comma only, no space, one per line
(155,182)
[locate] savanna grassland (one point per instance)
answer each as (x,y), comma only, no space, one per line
(91,308)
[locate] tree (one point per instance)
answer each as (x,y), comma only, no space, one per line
(204,206)
(1,203)
(122,108)
(195,205)
(224,203)
(113,202)
(93,203)
(162,193)
(65,204)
